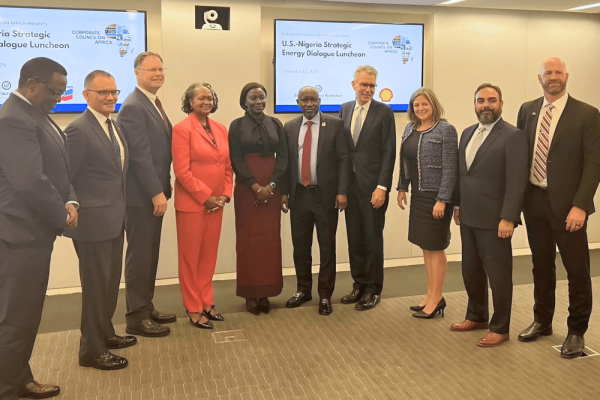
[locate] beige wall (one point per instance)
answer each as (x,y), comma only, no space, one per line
(464,47)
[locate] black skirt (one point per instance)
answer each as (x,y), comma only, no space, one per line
(423,230)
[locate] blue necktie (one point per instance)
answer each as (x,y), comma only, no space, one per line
(115,143)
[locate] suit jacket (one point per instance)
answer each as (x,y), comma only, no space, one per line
(574,156)
(34,175)
(97,179)
(333,164)
(201,170)
(149,141)
(494,187)
(374,155)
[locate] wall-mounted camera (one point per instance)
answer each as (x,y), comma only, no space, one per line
(212,18)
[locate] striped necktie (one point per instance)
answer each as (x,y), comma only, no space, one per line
(540,161)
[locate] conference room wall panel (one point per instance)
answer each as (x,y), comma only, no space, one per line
(464,47)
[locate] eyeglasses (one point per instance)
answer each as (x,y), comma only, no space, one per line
(367,86)
(105,93)
(55,93)
(154,70)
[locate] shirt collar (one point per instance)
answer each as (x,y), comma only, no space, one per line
(364,106)
(559,104)
(316,119)
(489,127)
(151,96)
(16,93)
(101,118)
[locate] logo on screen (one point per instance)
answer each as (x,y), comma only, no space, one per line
(121,34)
(68,94)
(386,95)
(403,43)
(6,85)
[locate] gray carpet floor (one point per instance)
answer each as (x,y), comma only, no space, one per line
(63,312)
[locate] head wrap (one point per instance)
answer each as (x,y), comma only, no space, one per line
(246,89)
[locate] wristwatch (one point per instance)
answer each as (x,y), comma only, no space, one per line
(273,185)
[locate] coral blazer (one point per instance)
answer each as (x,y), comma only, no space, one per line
(201,170)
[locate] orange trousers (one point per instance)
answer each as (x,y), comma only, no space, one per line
(198,236)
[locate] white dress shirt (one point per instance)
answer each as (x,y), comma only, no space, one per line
(559,107)
(102,120)
(152,98)
(314,146)
(488,128)
(363,117)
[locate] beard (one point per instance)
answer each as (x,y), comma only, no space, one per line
(548,89)
(488,118)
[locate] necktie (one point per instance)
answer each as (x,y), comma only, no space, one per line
(162,112)
(475,146)
(306,150)
(540,162)
(357,125)
(115,142)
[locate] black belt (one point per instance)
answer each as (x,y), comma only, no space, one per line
(309,188)
(539,188)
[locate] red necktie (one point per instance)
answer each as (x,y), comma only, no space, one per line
(540,161)
(306,150)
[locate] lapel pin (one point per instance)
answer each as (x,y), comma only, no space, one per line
(323,123)
(533,113)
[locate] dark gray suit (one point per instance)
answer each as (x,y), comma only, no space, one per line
(34,187)
(317,207)
(149,140)
(491,190)
(99,182)
(371,164)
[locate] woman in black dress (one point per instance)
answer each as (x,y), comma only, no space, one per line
(429,162)
(258,151)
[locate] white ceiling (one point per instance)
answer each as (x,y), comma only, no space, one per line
(537,5)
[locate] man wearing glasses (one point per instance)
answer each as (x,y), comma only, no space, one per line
(371,134)
(36,204)
(98,159)
(147,131)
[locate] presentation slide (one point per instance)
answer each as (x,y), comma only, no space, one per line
(325,55)
(80,40)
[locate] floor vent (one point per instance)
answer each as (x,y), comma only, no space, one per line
(229,336)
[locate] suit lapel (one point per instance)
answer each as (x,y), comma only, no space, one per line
(110,148)
(531,124)
(464,141)
(348,124)
(125,145)
(563,122)
(54,131)
(200,129)
(488,142)
(152,109)
(322,133)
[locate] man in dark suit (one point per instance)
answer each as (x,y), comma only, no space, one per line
(492,160)
(98,158)
(317,184)
(564,164)
(36,203)
(371,135)
(148,133)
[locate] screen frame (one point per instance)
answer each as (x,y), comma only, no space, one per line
(118,105)
(339,22)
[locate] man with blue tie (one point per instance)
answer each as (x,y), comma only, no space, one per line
(99,158)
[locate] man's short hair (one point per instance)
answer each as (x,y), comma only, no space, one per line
(142,56)
(40,68)
(367,69)
(92,75)
(489,85)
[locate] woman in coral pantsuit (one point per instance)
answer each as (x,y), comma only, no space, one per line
(203,185)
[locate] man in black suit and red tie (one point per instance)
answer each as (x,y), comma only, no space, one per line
(371,135)
(317,186)
(564,173)
(37,203)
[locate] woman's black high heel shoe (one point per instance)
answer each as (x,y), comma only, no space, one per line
(417,308)
(252,306)
(264,305)
(198,324)
(213,317)
(438,309)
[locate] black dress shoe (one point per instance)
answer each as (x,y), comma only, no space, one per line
(369,302)
(106,361)
(213,317)
(298,299)
(417,308)
(264,305)
(325,307)
(36,390)
(438,309)
(147,328)
(252,306)
(534,331)
(354,296)
(572,347)
(120,342)
(160,318)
